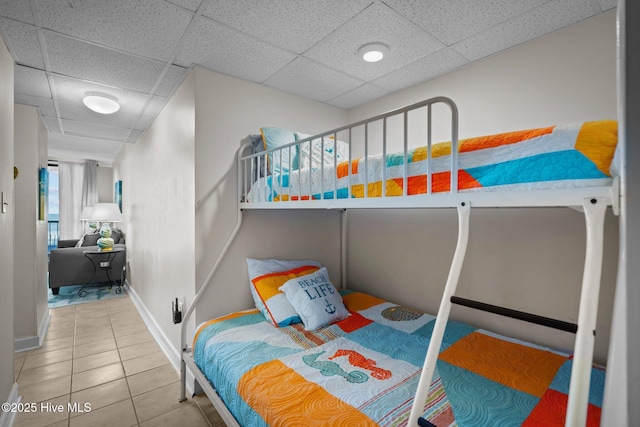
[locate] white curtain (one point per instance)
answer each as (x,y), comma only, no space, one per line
(78,188)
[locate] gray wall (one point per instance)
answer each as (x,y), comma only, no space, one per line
(6,224)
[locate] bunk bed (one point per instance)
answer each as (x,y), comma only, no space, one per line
(558,166)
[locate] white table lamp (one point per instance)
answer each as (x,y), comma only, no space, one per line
(105,213)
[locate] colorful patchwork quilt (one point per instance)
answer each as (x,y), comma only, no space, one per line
(364,371)
(575,155)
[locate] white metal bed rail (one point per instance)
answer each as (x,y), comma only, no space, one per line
(263,180)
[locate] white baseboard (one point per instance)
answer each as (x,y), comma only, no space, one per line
(33,342)
(165,344)
(7,418)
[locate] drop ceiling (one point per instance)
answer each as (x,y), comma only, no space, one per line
(139,51)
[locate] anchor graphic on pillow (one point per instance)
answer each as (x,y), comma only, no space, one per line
(330,308)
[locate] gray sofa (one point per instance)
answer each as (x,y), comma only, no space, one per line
(68,264)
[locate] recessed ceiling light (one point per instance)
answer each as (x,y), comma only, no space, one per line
(373,52)
(100,103)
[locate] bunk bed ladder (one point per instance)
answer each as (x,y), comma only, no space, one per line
(443,316)
(577,406)
(594,212)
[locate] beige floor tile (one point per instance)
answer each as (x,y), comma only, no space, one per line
(210,413)
(138,350)
(137,338)
(47,358)
(69,310)
(156,402)
(185,415)
(54,344)
(97,343)
(41,418)
(81,364)
(44,373)
(60,333)
(144,363)
(92,328)
(119,331)
(93,337)
(96,376)
(119,414)
(63,324)
(45,390)
(103,394)
(152,379)
(83,350)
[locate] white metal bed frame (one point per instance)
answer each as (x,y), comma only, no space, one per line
(592,200)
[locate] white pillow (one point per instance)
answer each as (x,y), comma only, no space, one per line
(311,153)
(315,299)
(266,276)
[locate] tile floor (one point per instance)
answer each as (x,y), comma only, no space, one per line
(102,354)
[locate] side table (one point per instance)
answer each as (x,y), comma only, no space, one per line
(101,260)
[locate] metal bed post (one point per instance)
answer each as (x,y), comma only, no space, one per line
(594,212)
(205,284)
(429,366)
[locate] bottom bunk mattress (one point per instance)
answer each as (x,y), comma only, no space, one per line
(364,371)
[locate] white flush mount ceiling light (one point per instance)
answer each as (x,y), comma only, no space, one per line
(373,52)
(100,103)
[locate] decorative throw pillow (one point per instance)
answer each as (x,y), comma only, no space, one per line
(311,153)
(266,276)
(282,160)
(88,239)
(315,299)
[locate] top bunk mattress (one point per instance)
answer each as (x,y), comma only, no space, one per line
(557,157)
(364,371)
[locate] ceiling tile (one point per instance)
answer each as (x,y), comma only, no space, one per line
(45,105)
(143,122)
(423,69)
(295,25)
(73,90)
(227,51)
(18,10)
(94,130)
(608,4)
(29,81)
(52,124)
(312,80)
(453,20)
(71,147)
(22,40)
(134,135)
(535,23)
(150,28)
(187,4)
(85,61)
(378,23)
(365,93)
(78,112)
(175,75)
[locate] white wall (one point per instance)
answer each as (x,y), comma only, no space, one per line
(7,391)
(525,259)
(105,184)
(30,263)
(157,176)
(227,111)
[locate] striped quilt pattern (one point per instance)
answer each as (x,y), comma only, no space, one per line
(563,156)
(364,371)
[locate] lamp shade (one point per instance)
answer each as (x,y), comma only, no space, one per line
(106,212)
(86,213)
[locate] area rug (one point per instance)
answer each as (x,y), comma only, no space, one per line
(68,295)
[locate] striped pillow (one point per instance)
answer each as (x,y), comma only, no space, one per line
(266,276)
